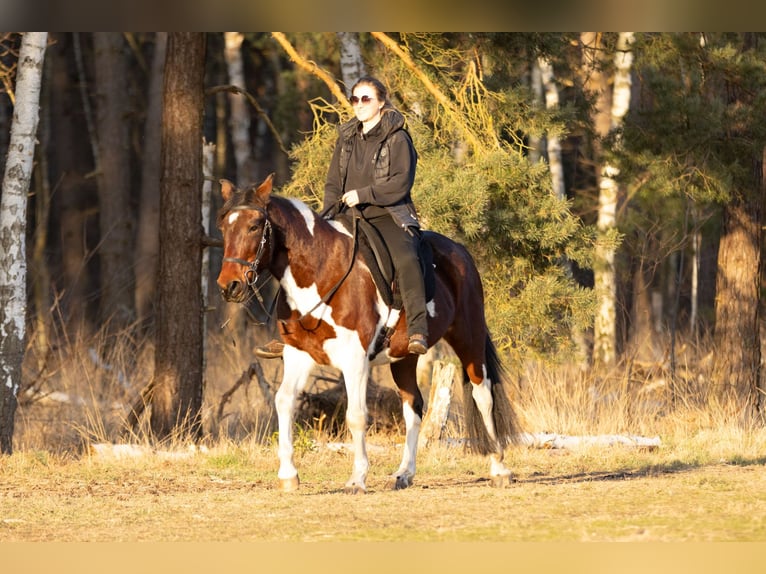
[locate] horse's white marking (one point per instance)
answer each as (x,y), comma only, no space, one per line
(306,212)
(482,396)
(303,299)
(431,308)
(233,217)
(412,425)
(340,227)
(297,367)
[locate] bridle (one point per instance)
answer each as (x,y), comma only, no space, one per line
(251,271)
(251,267)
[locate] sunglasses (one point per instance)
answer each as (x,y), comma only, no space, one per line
(364,99)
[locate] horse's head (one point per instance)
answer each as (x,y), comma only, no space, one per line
(246,232)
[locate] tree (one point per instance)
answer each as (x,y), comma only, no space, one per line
(738,282)
(147,235)
(13,212)
(696,145)
(610,110)
(116,222)
(351,63)
(176,396)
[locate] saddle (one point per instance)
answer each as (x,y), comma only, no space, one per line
(375,254)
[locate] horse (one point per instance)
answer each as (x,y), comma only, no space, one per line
(338,317)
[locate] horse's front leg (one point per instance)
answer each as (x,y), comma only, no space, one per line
(405,377)
(297,367)
(356,375)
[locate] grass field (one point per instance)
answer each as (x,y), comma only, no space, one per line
(228,493)
(705,482)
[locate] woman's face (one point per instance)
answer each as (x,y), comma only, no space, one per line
(366,104)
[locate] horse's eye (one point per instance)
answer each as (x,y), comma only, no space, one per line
(254,228)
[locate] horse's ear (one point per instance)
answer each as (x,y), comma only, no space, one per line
(264,189)
(227,189)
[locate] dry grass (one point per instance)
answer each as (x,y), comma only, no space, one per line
(706,481)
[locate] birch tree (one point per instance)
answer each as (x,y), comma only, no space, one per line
(239,114)
(351,63)
(605,328)
(13,216)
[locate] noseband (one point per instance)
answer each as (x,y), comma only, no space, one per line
(251,271)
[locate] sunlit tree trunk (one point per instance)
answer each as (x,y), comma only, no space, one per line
(553,143)
(351,63)
(13,218)
(115,216)
(239,114)
(605,329)
(147,236)
(738,288)
(176,398)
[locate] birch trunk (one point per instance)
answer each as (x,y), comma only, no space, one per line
(553,142)
(605,330)
(13,217)
(351,63)
(239,116)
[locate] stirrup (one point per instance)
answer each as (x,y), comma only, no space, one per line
(271,350)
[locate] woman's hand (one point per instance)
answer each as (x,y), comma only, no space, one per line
(350,198)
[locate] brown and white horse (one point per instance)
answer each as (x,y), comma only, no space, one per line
(337,315)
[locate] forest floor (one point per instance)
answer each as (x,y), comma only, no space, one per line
(229,493)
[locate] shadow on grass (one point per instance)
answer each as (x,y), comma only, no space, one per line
(649,470)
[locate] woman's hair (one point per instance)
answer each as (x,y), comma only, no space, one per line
(380,89)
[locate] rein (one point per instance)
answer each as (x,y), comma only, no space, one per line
(251,272)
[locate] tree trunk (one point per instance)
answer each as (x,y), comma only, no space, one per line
(737,339)
(69,165)
(13,218)
(351,63)
(177,386)
(605,330)
(147,237)
(239,114)
(115,220)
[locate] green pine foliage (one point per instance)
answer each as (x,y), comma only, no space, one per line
(485,195)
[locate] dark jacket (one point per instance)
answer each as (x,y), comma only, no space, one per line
(382,174)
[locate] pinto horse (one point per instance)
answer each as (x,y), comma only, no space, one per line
(337,315)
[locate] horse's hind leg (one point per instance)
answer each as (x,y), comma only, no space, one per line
(405,376)
(481,393)
(490,418)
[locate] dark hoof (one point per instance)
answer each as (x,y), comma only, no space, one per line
(354,489)
(501,481)
(399,482)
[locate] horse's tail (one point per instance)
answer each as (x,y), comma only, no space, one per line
(503,416)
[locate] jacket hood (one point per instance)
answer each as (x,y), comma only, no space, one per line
(390,120)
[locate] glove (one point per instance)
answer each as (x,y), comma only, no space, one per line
(350,198)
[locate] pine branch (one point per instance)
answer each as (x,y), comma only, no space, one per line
(438,95)
(312,68)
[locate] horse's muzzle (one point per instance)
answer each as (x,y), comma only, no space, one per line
(234,291)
